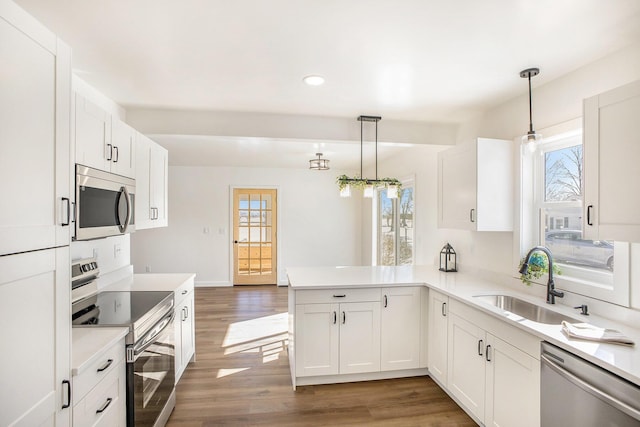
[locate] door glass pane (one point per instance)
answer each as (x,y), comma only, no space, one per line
(254,201)
(266,201)
(243,218)
(243,201)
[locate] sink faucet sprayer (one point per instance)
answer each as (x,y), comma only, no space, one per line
(552,293)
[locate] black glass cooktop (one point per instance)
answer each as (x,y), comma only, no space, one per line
(120,308)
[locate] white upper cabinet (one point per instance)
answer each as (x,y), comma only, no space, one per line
(611,153)
(35,173)
(475,186)
(123,151)
(103,142)
(151,184)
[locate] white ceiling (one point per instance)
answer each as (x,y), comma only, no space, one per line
(417,60)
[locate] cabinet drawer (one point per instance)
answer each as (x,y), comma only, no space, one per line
(337,295)
(182,291)
(104,405)
(103,366)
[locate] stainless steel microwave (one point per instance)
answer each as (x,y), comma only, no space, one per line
(105,204)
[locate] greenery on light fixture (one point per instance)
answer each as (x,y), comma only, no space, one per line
(361,183)
(538,265)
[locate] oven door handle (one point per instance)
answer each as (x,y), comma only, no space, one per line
(149,338)
(579,382)
(122,225)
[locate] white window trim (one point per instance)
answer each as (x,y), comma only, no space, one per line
(527,234)
(375,229)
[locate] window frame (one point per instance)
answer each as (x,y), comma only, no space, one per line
(581,280)
(408,182)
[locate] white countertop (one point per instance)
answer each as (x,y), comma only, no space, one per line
(622,360)
(89,343)
(151,282)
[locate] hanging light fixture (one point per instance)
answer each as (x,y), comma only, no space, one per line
(345,183)
(319,164)
(532,137)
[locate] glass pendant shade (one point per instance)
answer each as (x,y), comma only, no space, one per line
(345,191)
(392,192)
(530,141)
(368,191)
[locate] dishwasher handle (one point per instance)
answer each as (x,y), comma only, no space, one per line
(629,410)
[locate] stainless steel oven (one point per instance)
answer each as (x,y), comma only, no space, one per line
(150,343)
(105,204)
(150,375)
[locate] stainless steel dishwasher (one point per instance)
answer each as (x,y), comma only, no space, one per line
(574,392)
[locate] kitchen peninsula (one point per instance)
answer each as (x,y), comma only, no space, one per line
(363,323)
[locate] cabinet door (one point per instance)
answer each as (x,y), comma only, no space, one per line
(466,368)
(359,337)
(123,141)
(438,332)
(317,332)
(92,135)
(143,183)
(158,176)
(36,357)
(457,187)
(611,154)
(513,386)
(400,328)
(188,329)
(34,135)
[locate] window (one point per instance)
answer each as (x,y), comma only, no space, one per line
(595,268)
(395,231)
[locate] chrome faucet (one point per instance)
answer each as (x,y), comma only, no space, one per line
(552,293)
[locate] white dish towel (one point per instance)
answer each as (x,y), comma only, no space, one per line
(584,331)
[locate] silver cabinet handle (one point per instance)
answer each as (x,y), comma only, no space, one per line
(68,384)
(633,412)
(117,156)
(386,302)
(340,296)
(444,309)
(344,317)
(109,152)
(186,313)
(184,292)
(335,318)
(486,356)
(480,347)
(471,215)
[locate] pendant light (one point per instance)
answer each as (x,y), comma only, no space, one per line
(319,164)
(532,137)
(368,185)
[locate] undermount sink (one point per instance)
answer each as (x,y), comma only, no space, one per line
(524,309)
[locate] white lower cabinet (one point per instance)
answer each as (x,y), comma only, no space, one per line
(400,328)
(185,327)
(100,390)
(438,336)
(337,338)
(493,380)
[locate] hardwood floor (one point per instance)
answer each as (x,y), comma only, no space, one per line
(241,375)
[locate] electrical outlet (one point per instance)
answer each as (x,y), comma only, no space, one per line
(117,249)
(147,269)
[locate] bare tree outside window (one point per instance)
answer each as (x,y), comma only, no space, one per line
(563,174)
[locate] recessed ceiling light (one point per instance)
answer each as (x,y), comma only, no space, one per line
(313,80)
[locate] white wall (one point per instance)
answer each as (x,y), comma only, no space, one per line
(556,102)
(317,227)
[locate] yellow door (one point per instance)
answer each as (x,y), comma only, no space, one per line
(254,237)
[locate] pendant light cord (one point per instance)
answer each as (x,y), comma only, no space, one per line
(376,150)
(530,107)
(361,176)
